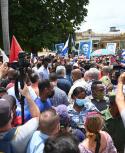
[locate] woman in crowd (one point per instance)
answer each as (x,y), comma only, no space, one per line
(97,141)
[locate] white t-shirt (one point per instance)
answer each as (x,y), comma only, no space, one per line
(23,135)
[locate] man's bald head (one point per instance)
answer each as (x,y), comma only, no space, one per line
(76,74)
(106,70)
(49,121)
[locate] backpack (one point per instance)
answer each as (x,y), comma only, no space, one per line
(5,143)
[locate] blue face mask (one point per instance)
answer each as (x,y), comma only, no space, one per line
(80,102)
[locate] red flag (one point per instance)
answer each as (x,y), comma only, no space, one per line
(14,51)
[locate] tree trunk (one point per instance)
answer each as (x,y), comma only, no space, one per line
(5,25)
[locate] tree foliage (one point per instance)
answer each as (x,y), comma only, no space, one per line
(41,23)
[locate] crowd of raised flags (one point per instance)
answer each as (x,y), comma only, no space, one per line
(85,49)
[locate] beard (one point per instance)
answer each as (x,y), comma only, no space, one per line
(51,94)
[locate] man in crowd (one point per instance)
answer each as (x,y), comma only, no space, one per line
(98,97)
(115,126)
(49,126)
(43,70)
(91,75)
(46,91)
(62,82)
(60,96)
(22,134)
(106,70)
(78,81)
(34,78)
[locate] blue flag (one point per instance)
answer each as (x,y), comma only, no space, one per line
(65,49)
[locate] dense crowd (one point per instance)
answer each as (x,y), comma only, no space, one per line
(70,105)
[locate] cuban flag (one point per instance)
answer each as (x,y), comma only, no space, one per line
(65,49)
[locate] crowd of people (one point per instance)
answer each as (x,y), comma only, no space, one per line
(69,105)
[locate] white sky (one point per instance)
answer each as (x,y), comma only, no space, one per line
(103,14)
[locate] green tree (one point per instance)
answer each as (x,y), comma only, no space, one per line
(41,23)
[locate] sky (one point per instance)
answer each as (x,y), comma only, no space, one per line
(103,14)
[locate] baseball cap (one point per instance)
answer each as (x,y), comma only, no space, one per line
(63,114)
(5,112)
(10,99)
(79,134)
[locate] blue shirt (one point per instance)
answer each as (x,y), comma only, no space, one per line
(43,105)
(36,144)
(63,84)
(59,97)
(78,118)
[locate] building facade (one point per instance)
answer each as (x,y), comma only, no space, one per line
(100,40)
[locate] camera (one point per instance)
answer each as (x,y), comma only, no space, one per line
(22,60)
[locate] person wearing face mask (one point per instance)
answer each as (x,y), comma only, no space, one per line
(98,97)
(78,110)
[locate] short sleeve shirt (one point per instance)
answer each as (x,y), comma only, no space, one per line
(43,105)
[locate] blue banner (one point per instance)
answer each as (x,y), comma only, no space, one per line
(85,48)
(59,48)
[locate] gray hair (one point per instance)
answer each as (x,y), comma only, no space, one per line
(94,73)
(60,69)
(106,69)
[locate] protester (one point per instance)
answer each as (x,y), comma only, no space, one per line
(48,126)
(78,110)
(17,120)
(64,119)
(120,100)
(78,81)
(68,70)
(98,97)
(43,70)
(60,96)
(96,140)
(11,76)
(62,82)
(106,70)
(91,75)
(46,91)
(13,92)
(34,78)
(91,91)
(22,134)
(115,126)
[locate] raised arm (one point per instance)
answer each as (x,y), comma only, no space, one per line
(120,99)
(34,110)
